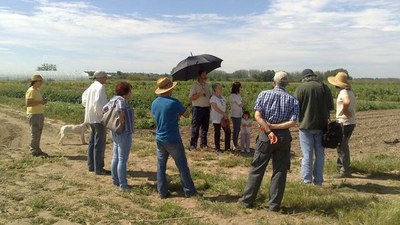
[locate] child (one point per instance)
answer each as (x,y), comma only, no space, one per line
(245,134)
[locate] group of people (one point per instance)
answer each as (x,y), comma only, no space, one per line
(275,111)
(210,105)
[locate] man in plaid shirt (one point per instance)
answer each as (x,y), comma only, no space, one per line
(275,111)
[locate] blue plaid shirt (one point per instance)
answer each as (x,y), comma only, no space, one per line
(277,106)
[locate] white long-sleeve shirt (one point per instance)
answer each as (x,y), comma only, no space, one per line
(94,98)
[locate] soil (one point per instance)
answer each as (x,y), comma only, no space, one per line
(377,132)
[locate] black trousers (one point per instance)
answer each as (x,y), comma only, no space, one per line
(217,137)
(200,119)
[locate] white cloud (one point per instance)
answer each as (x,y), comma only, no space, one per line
(290,35)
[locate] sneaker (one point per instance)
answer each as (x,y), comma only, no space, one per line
(243,150)
(248,150)
(192,148)
(235,149)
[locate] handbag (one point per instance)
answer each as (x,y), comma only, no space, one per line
(225,123)
(111,120)
(332,136)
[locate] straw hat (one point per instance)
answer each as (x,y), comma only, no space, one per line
(340,80)
(164,85)
(36,77)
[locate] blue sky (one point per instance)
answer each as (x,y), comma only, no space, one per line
(154,35)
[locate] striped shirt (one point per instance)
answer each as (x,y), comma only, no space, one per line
(277,106)
(122,106)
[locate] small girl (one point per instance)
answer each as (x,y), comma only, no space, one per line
(245,134)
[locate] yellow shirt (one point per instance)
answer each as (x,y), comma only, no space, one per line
(34,94)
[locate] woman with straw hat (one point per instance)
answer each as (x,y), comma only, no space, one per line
(345,114)
(34,108)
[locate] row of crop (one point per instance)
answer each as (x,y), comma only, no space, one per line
(66,96)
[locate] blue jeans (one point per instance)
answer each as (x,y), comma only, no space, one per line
(121,147)
(237,123)
(96,148)
(311,143)
(177,152)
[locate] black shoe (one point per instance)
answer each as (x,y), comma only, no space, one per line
(103,172)
(166,195)
(41,154)
(196,194)
(248,206)
(276,209)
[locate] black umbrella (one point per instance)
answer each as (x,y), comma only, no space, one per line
(189,68)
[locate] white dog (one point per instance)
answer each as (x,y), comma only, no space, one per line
(80,129)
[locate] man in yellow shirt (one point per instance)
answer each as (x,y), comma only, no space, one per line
(34,108)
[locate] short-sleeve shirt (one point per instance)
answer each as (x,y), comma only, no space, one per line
(34,94)
(202,101)
(122,106)
(166,112)
(277,106)
(221,104)
(236,100)
(352,107)
(246,129)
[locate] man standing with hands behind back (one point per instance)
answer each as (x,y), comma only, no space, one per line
(94,99)
(275,111)
(200,94)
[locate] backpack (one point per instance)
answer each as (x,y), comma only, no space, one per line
(333,135)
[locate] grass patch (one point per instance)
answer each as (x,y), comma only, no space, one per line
(220,208)
(323,201)
(169,210)
(378,166)
(219,183)
(234,161)
(43,221)
(383,213)
(28,162)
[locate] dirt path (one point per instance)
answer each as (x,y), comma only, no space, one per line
(372,129)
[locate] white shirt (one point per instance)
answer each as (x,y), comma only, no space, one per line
(236,110)
(204,100)
(94,99)
(221,104)
(352,107)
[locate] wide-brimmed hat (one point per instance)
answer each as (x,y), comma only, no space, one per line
(164,85)
(36,77)
(307,73)
(99,74)
(340,80)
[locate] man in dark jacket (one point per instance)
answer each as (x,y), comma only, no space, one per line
(315,101)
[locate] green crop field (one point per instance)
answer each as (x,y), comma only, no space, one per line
(65,97)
